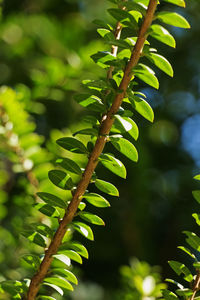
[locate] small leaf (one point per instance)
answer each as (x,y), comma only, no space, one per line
(161,34)
(46,297)
(125,147)
(69,165)
(43,229)
(47,210)
(161,62)
(66,274)
(72,255)
(168,295)
(32,260)
(63,258)
(91,218)
(197,218)
(193,240)
(142,107)
(186,250)
(177,2)
(197,177)
(82,205)
(180,268)
(113,164)
(61,179)
(125,124)
(196,195)
(55,287)
(185,292)
(87,131)
(180,286)
(92,102)
(59,281)
(172,18)
(103,58)
(122,123)
(147,75)
(52,199)
(77,246)
(106,187)
(83,229)
(96,200)
(34,237)
(73,145)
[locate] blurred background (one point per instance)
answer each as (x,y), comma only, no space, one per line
(45,48)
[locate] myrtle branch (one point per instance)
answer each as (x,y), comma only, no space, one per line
(196,286)
(106,124)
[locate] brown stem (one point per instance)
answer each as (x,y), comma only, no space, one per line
(196,286)
(105,128)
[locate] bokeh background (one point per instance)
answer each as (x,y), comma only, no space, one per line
(45,48)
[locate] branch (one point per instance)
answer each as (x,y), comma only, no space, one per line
(196,286)
(105,128)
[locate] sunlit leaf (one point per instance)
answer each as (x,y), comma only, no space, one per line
(96,200)
(162,34)
(73,145)
(125,147)
(172,18)
(52,199)
(91,218)
(83,229)
(113,164)
(106,187)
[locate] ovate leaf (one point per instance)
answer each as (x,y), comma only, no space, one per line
(59,281)
(77,246)
(106,187)
(63,258)
(113,164)
(197,218)
(72,255)
(69,165)
(193,240)
(34,237)
(96,200)
(147,75)
(52,199)
(66,274)
(180,268)
(125,147)
(196,195)
(47,210)
(176,2)
(161,34)
(161,62)
(83,229)
(59,178)
(73,145)
(55,287)
(168,295)
(91,218)
(142,107)
(32,260)
(173,18)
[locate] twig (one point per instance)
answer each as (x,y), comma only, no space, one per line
(93,159)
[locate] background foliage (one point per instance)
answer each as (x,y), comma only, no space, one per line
(44,53)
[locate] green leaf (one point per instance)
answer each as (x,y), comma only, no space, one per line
(122,123)
(83,229)
(47,210)
(59,281)
(69,165)
(102,23)
(113,164)
(103,58)
(180,286)
(91,218)
(146,74)
(142,107)
(92,102)
(180,268)
(32,260)
(66,274)
(186,250)
(197,177)
(193,240)
(161,34)
(72,255)
(105,33)
(96,200)
(125,147)
(197,218)
(52,199)
(73,145)
(13,287)
(161,62)
(77,246)
(61,179)
(82,205)
(176,2)
(34,237)
(87,131)
(106,187)
(130,5)
(43,229)
(172,18)
(63,258)
(55,287)
(196,195)
(168,295)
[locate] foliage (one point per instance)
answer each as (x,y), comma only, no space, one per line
(98,97)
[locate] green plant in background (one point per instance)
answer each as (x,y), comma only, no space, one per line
(110,101)
(140,281)
(190,288)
